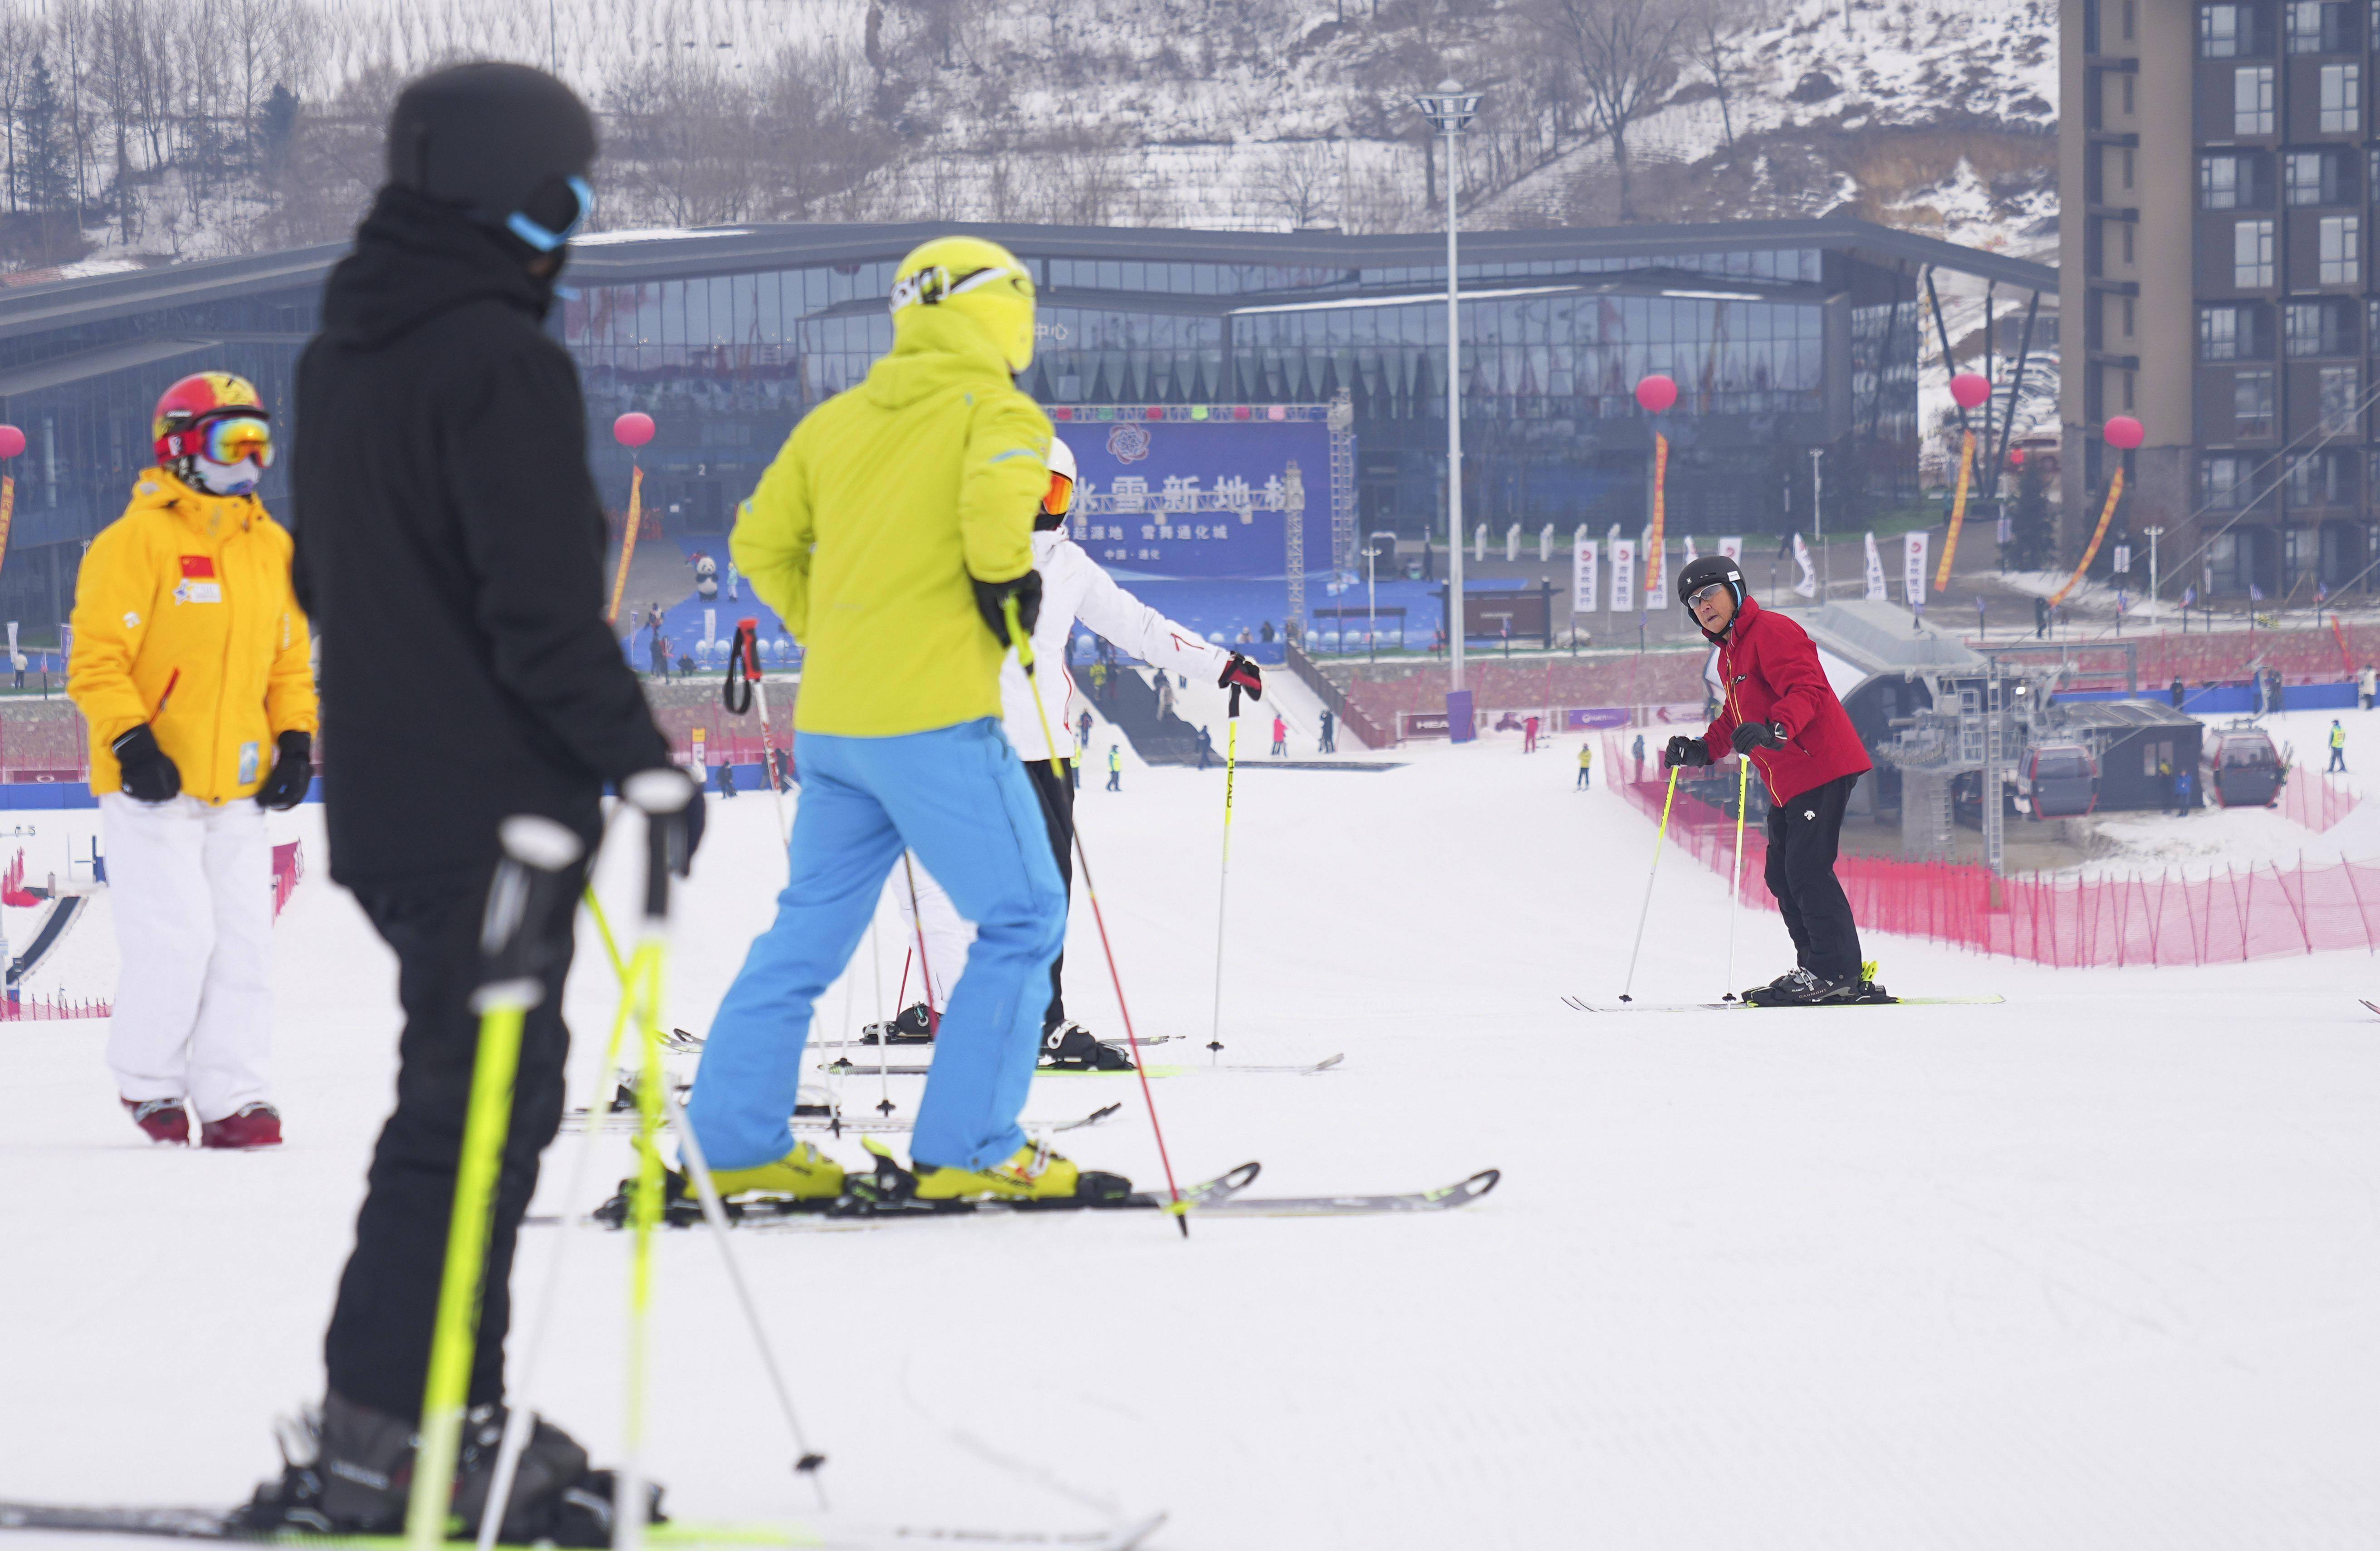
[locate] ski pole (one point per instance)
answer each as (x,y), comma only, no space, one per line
(1735,880)
(1222,888)
(536,853)
(746,651)
(1659,837)
(663,798)
(1016,633)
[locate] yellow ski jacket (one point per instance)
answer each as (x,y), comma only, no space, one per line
(864,532)
(190,590)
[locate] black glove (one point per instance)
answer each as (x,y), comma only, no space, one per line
(991,598)
(292,775)
(1245,673)
(1686,751)
(148,776)
(1750,735)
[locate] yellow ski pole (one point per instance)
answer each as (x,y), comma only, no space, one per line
(1223,887)
(1024,643)
(537,854)
(1662,835)
(1735,882)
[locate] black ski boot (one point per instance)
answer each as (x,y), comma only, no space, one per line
(348,1470)
(1070,1047)
(1796,987)
(914,1026)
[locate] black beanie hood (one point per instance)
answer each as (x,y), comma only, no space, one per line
(490,139)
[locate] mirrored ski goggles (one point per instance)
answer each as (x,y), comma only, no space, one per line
(928,287)
(553,215)
(1706,594)
(236,437)
(1061,497)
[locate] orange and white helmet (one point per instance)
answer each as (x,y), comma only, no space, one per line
(214,415)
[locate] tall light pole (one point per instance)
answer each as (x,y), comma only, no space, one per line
(2152,533)
(1450,110)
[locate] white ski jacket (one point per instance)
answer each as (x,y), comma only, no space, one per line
(1074,587)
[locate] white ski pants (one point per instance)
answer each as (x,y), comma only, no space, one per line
(191,890)
(947,935)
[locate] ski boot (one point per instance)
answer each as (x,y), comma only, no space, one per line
(1796,987)
(251,1125)
(347,1470)
(160,1119)
(804,1174)
(1032,1173)
(915,1026)
(1070,1047)
(1859,991)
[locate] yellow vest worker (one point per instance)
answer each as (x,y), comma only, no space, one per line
(191,661)
(894,535)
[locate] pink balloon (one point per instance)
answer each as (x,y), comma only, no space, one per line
(1655,393)
(633,428)
(12,442)
(2125,432)
(1970,388)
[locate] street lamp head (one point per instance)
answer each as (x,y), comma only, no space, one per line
(1449,109)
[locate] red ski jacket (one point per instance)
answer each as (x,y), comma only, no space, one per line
(1769,672)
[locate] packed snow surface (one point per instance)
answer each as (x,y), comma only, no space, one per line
(2095,1268)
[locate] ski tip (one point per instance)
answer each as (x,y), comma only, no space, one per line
(1475,1187)
(1326,1065)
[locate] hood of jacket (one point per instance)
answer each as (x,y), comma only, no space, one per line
(938,350)
(1745,613)
(414,259)
(209,516)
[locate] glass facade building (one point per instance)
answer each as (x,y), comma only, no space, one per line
(1783,336)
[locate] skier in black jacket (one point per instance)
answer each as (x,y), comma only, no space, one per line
(450,550)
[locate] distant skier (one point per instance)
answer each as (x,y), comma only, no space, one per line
(1206,747)
(1073,587)
(1115,769)
(1280,736)
(2180,691)
(1585,767)
(1083,734)
(1782,714)
(727,776)
(192,666)
(2337,748)
(1639,751)
(2185,792)
(2367,685)
(1529,735)
(1329,742)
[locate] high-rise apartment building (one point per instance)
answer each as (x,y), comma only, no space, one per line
(2218,170)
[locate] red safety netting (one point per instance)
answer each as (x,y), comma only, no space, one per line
(2229,917)
(289,866)
(43,1010)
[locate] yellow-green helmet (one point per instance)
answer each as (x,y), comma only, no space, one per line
(977,280)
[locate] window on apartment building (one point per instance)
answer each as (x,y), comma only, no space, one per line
(2338,242)
(2222,481)
(2323,478)
(2371,321)
(2315,178)
(2129,330)
(2317,328)
(2314,27)
(2131,9)
(2251,402)
(2339,389)
(2251,100)
(2252,254)
(2220,180)
(2219,333)
(2125,162)
(2126,89)
(2341,93)
(2221,30)
(2124,240)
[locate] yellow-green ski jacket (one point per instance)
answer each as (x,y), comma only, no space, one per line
(884,501)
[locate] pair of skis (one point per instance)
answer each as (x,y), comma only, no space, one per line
(849,1068)
(1580,1004)
(1221,1196)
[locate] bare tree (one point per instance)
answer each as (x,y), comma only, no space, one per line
(684,140)
(817,139)
(23,35)
(1299,181)
(1626,54)
(1712,39)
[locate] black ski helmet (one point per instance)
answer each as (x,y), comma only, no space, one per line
(507,145)
(1708,571)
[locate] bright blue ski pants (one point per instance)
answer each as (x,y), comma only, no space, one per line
(958,797)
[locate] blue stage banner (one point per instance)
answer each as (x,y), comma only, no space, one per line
(1166,495)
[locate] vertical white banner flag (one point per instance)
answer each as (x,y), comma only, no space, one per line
(1875,571)
(1584,568)
(1623,575)
(1733,548)
(1808,586)
(1691,556)
(709,627)
(1657,573)
(1912,579)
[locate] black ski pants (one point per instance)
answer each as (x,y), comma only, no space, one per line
(1803,837)
(378,1349)
(1057,793)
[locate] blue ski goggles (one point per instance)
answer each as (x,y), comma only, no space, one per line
(543,222)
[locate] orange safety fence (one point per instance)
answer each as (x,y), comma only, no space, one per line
(2233,915)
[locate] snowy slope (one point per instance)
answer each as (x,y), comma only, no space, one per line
(2095,1268)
